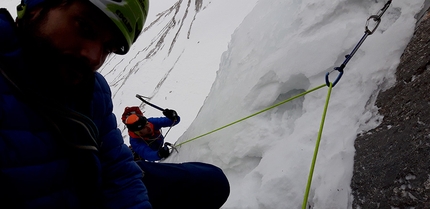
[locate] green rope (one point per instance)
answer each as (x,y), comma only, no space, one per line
(314,159)
(252,115)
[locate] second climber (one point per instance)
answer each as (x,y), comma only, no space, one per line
(146,138)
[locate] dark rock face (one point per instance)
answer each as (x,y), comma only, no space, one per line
(392,162)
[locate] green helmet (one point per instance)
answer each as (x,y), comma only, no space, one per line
(129,16)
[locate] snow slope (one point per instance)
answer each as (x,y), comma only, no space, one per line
(216,62)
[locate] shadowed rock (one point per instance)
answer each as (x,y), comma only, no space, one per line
(392,162)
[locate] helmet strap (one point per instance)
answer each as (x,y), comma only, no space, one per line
(21,8)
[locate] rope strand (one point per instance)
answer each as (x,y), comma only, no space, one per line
(314,159)
(252,115)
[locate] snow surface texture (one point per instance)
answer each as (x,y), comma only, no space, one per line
(216,62)
(174,62)
(283,48)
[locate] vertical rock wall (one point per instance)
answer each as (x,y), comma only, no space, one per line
(392,162)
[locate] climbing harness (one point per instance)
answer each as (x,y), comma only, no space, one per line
(151,139)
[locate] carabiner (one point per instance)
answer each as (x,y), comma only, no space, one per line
(340,69)
(375,18)
(171,146)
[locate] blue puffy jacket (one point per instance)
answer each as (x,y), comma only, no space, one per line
(48,158)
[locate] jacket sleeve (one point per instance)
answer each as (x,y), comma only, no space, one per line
(121,176)
(143,150)
(163,122)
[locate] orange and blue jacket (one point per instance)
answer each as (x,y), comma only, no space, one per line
(147,148)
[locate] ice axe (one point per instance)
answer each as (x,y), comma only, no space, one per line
(150,104)
(162,110)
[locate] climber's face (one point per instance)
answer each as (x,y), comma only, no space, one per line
(146,131)
(73,40)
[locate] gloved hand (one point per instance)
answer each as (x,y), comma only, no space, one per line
(130,110)
(171,114)
(164,152)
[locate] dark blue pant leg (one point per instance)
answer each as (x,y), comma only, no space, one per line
(191,185)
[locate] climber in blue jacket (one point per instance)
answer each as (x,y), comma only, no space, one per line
(59,142)
(146,138)
(185,185)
